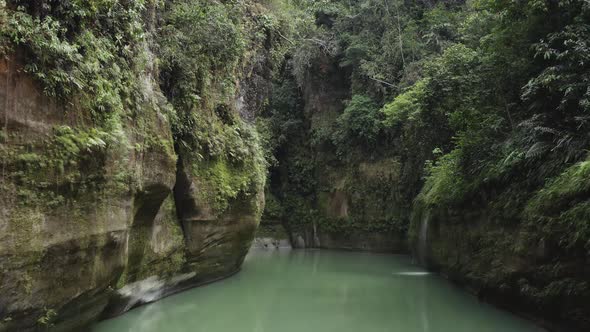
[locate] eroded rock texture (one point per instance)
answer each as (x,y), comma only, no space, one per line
(509,264)
(89,226)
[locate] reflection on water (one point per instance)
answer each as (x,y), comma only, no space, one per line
(321,291)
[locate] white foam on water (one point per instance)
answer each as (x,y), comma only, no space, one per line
(150,289)
(412,274)
(144,291)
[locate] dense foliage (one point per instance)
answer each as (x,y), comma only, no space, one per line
(484,102)
(91,57)
(96,59)
(378,109)
(443,108)
(519,114)
(470,114)
(206,49)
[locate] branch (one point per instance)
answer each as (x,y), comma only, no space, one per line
(285,38)
(317,41)
(382,82)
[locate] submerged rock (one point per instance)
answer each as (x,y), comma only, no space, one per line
(271,243)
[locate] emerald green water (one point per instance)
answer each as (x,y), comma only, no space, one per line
(321,291)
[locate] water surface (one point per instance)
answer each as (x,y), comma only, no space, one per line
(321,291)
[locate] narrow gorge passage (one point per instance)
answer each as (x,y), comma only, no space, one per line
(147,145)
(321,290)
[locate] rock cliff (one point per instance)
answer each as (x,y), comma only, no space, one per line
(102,208)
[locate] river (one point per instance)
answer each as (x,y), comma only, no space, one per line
(321,291)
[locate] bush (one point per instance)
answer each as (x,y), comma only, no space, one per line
(405,107)
(562,207)
(97,59)
(360,123)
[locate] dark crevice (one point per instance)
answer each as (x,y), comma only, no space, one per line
(147,204)
(182,197)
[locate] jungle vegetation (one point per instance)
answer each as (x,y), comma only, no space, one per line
(489,99)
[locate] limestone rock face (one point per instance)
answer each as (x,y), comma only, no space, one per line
(350,199)
(101,208)
(61,242)
(505,263)
(216,243)
(89,226)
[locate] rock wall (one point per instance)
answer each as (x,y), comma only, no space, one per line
(51,240)
(71,253)
(97,217)
(506,263)
(327,199)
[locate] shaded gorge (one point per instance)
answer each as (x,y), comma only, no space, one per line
(313,290)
